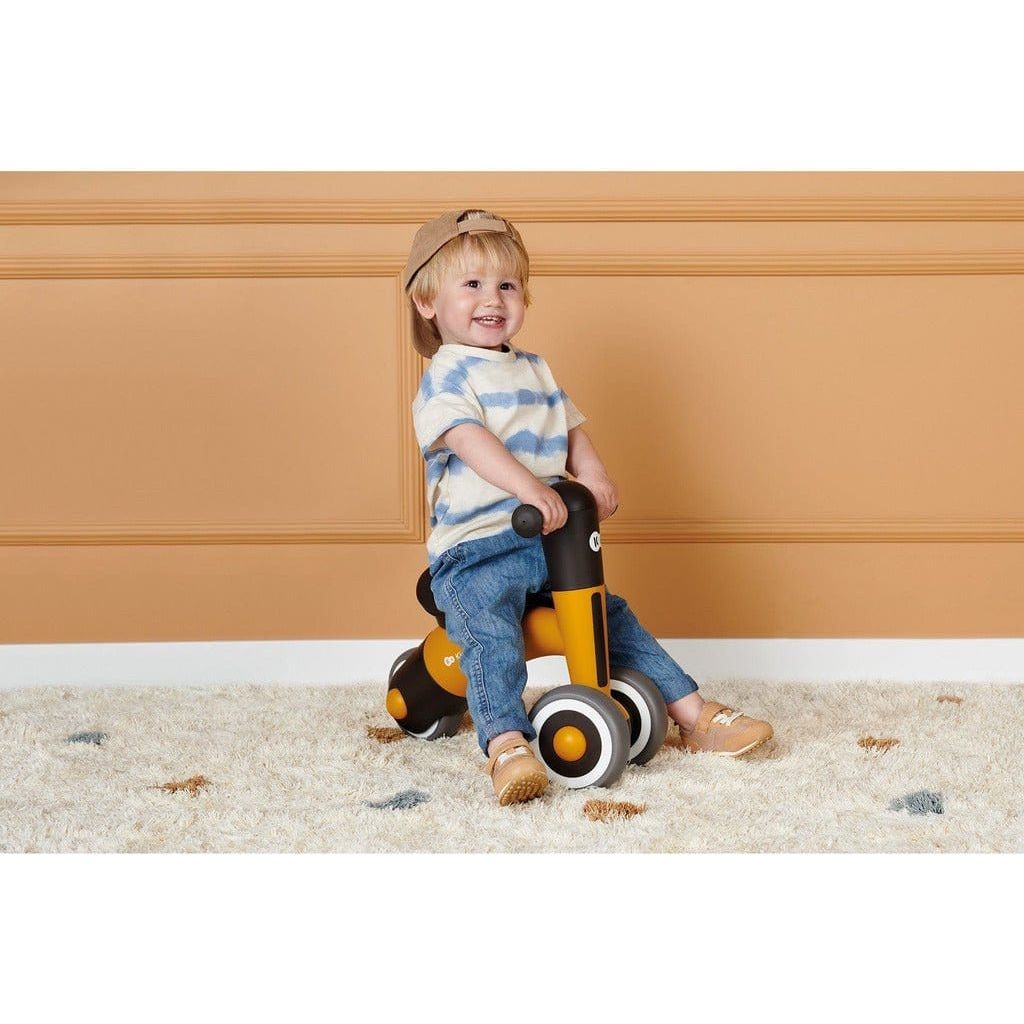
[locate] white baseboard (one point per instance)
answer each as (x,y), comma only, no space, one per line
(344,662)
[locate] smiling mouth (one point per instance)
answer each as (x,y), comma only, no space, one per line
(490,321)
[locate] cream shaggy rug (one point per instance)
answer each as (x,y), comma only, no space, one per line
(258,769)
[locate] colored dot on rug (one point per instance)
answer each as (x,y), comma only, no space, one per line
(605,810)
(191,786)
(400,801)
(96,738)
(384,734)
(948,698)
(924,801)
(878,743)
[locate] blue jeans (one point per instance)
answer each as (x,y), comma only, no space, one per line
(481,586)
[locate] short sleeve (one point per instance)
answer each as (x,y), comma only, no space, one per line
(437,409)
(573,417)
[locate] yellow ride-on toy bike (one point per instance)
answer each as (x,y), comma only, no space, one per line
(587,731)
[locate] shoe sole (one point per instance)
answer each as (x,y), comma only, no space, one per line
(731,753)
(520,790)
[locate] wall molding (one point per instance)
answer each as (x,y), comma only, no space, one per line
(200,265)
(954,662)
(370,532)
(672,530)
(806,264)
(411,526)
(592,211)
(628,531)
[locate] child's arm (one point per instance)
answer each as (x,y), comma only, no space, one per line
(585,464)
(491,460)
(582,457)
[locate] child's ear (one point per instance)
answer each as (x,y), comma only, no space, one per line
(426,308)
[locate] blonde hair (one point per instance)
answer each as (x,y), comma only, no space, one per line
(494,248)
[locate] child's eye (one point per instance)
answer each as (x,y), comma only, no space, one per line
(472,284)
(508,284)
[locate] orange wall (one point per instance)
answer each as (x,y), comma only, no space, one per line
(806,386)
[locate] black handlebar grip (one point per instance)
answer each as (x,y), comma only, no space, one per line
(527,520)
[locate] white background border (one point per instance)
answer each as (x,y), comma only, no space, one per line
(550,86)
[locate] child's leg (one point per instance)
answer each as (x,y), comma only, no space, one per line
(704,726)
(631,646)
(493,661)
(482,592)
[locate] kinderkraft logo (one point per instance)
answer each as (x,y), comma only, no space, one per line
(452,658)
(595,541)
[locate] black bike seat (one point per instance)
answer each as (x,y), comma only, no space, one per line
(541,599)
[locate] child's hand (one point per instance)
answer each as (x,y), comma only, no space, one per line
(601,486)
(549,502)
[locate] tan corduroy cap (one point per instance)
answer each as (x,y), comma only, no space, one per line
(440,230)
(428,240)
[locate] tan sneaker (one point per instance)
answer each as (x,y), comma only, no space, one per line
(720,730)
(516,773)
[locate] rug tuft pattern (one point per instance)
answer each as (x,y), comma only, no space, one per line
(318,769)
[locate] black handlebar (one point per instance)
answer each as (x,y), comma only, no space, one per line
(573,552)
(527,520)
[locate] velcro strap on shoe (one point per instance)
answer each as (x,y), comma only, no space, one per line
(507,755)
(511,748)
(726,716)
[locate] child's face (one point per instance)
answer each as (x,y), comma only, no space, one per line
(479,307)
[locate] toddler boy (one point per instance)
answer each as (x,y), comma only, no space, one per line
(496,431)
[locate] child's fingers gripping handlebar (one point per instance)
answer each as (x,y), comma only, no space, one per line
(551,511)
(528,520)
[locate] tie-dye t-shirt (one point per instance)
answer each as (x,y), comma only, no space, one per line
(512,394)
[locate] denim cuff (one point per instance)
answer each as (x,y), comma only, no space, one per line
(678,689)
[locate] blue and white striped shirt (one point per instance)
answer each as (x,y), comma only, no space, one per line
(513,395)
